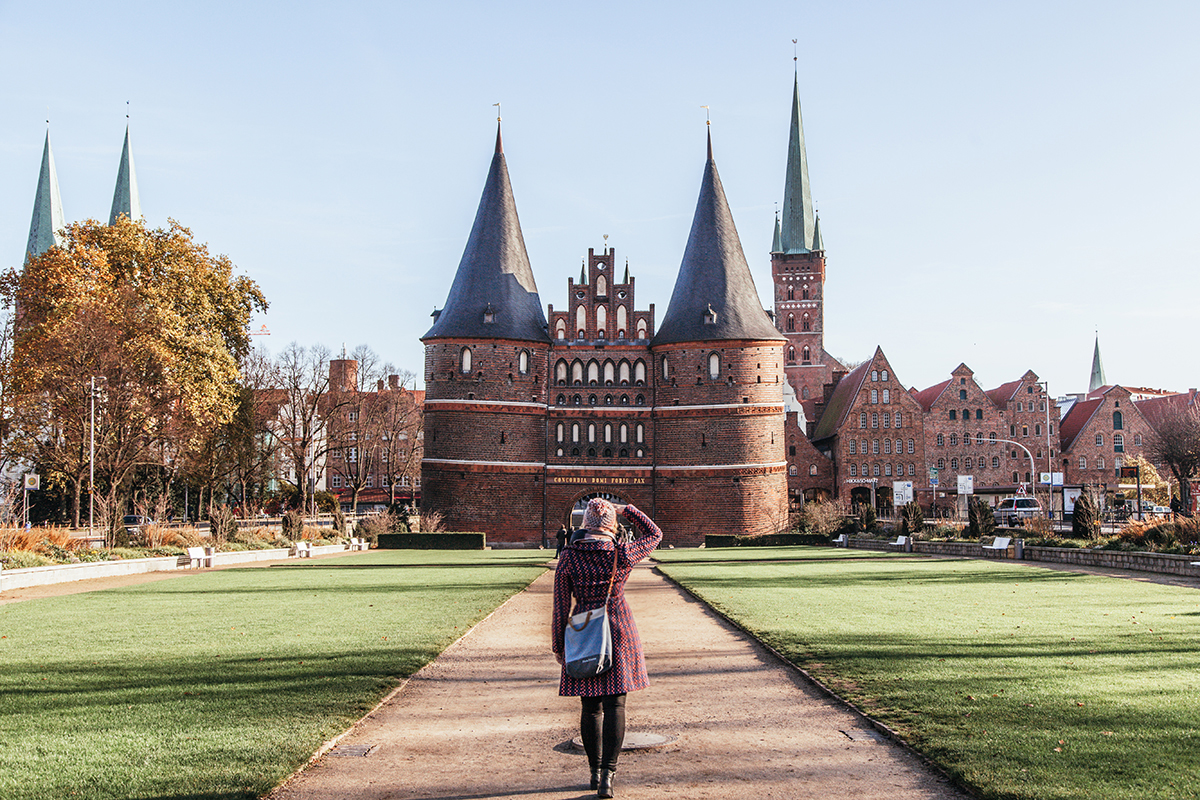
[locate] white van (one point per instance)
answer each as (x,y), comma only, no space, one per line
(1013,511)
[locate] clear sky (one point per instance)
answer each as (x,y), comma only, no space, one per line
(996,181)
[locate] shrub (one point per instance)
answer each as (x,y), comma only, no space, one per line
(981,521)
(824,519)
(292,525)
(433,541)
(867,518)
(339,520)
(432,522)
(912,519)
(23,559)
(1085,522)
(371,527)
(1039,526)
(223,524)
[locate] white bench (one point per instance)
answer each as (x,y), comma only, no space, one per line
(901,541)
(999,543)
(359,544)
(842,541)
(303,549)
(199,557)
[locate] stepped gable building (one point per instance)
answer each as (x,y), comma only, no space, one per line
(1099,434)
(526,419)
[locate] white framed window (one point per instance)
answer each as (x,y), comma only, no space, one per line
(714,366)
(336,481)
(464,362)
(523,362)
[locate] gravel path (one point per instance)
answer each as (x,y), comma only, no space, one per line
(484,720)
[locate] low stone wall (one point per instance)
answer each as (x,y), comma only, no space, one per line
(1112,559)
(65,573)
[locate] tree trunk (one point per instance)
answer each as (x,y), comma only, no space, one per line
(76,490)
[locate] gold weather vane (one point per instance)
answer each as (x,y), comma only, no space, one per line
(497,105)
(707,118)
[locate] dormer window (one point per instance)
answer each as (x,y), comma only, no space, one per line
(489,315)
(710,316)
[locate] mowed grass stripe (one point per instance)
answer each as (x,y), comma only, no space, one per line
(218,685)
(1021,681)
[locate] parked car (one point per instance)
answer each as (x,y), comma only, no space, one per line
(1013,511)
(134,522)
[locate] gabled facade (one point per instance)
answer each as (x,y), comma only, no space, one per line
(1099,435)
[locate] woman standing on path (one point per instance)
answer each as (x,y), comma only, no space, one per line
(584,572)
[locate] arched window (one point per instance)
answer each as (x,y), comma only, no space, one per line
(874,375)
(560,372)
(575,432)
(593,373)
(560,329)
(953,414)
(887,470)
(609,373)
(1082,465)
(641,431)
(791,292)
(899,419)
(1118,443)
(666,369)
(941,440)
(806,323)
(464,361)
(1099,440)
(581,321)
(622,321)
(601,287)
(887,396)
(874,396)
(623,373)
(641,329)
(592,432)
(791,355)
(639,372)
(995,462)
(883,375)
(954,440)
(804,294)
(714,366)
(911,445)
(806,355)
(577,373)
(853,470)
(874,419)
(862,420)
(560,431)
(523,362)
(624,433)
(853,446)
(979,413)
(601,321)
(607,433)
(791,323)
(966,414)
(812,469)
(941,463)
(1117,421)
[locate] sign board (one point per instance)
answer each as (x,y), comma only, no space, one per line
(33,481)
(1051,478)
(1128,472)
(933,474)
(966,484)
(902,492)
(1069,498)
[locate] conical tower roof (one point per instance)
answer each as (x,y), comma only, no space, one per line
(798,222)
(47,208)
(493,295)
(714,296)
(1097,379)
(125,196)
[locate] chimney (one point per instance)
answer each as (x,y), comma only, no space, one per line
(379,385)
(393,381)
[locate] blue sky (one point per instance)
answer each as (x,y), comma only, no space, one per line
(995,181)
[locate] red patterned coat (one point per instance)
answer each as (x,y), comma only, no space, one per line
(583,572)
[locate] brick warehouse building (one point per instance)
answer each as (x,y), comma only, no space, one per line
(527,418)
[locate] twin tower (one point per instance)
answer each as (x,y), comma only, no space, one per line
(530,414)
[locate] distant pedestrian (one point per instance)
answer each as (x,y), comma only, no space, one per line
(1176,507)
(561,538)
(586,570)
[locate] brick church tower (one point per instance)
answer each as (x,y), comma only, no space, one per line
(798,272)
(485,388)
(719,414)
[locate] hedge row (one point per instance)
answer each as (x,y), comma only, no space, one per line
(432,541)
(769,540)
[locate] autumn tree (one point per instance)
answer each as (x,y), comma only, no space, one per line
(150,313)
(1175,442)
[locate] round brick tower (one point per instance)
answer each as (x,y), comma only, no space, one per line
(485,388)
(720,462)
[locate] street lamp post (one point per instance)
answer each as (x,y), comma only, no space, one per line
(92,461)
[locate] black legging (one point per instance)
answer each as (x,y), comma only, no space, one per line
(610,707)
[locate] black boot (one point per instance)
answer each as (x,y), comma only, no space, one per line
(595,784)
(606,783)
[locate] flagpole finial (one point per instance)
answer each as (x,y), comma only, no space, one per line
(497,105)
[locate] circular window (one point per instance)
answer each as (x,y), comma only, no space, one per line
(600,265)
(621,294)
(581,294)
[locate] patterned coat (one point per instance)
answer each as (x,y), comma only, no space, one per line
(583,572)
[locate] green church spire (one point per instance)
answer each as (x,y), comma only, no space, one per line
(798,222)
(47,208)
(1097,369)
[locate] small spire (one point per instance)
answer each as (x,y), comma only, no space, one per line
(125,196)
(499,142)
(626,281)
(708,128)
(1097,379)
(818,242)
(777,241)
(583,273)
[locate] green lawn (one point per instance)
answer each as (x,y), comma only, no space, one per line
(219,684)
(1023,682)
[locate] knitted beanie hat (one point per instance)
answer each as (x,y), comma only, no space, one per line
(600,515)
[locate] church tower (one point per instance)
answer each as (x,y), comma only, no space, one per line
(798,273)
(47,208)
(485,393)
(720,464)
(125,195)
